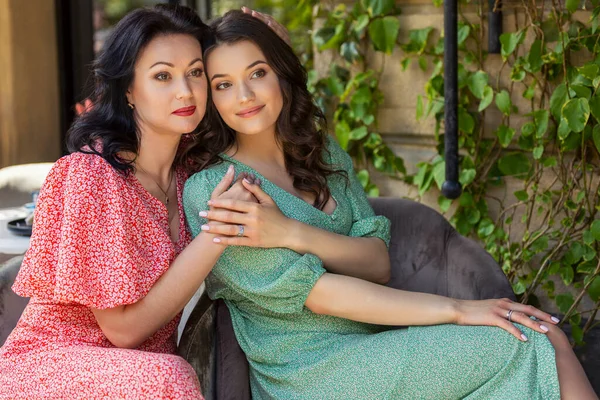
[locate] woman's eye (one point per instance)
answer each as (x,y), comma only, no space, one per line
(259,74)
(162,76)
(197,73)
(222,85)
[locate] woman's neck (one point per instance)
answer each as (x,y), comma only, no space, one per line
(259,147)
(156,154)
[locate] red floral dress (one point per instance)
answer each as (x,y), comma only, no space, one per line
(100,240)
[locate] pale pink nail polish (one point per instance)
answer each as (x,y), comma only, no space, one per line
(205,227)
(203,214)
(544,328)
(524,337)
(554,319)
(217,240)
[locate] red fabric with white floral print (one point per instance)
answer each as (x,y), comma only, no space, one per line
(99,240)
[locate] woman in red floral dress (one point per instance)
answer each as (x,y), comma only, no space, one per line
(111,264)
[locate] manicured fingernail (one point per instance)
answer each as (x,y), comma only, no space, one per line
(205,227)
(210,202)
(554,319)
(544,328)
(230,169)
(217,240)
(523,337)
(247,181)
(203,214)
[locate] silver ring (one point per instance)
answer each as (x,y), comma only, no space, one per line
(240,230)
(509,315)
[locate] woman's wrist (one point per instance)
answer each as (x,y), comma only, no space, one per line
(294,236)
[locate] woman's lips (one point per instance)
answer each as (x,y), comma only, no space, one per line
(250,112)
(185,111)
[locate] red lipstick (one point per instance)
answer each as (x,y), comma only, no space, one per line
(185,111)
(250,112)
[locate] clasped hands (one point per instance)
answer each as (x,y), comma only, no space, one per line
(240,213)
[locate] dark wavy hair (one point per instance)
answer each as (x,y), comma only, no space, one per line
(110,122)
(301,126)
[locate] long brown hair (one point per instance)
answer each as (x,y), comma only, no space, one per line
(301,125)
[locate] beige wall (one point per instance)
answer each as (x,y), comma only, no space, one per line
(29,87)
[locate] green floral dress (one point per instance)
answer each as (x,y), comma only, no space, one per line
(296,354)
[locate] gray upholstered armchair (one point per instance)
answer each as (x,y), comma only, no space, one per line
(426,253)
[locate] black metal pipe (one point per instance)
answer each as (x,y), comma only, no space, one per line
(451,188)
(494,26)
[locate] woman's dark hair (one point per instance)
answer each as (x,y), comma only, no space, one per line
(301,126)
(110,122)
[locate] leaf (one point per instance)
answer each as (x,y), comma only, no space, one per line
(363,177)
(596,137)
(541,118)
(564,301)
(419,107)
(535,56)
(360,24)
(514,164)
(528,129)
(557,100)
(477,82)
(463,33)
(576,112)
(417,40)
(466,123)
(358,133)
(488,97)
(486,228)
(594,289)
(509,42)
(503,102)
(444,203)
(342,132)
(572,5)
(383,33)
(350,52)
(521,195)
(538,151)
(378,7)
(467,176)
(567,274)
(505,135)
(595,107)
(439,173)
(563,129)
(550,162)
(595,229)
(590,71)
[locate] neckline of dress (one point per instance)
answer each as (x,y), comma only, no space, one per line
(279,188)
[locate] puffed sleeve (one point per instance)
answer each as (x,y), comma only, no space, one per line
(365,222)
(92,243)
(278,280)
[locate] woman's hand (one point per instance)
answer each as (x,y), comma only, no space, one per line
(279,29)
(503,313)
(262,224)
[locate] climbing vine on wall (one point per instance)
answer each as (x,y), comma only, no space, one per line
(544,139)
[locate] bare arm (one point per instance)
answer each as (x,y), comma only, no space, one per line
(361,257)
(130,325)
(357,300)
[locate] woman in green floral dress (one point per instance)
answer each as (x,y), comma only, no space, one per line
(310,328)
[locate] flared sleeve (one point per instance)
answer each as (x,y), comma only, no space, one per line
(364,221)
(94,241)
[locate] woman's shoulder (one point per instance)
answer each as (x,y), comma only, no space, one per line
(338,158)
(209,175)
(83,172)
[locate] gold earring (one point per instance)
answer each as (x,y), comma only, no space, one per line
(130,105)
